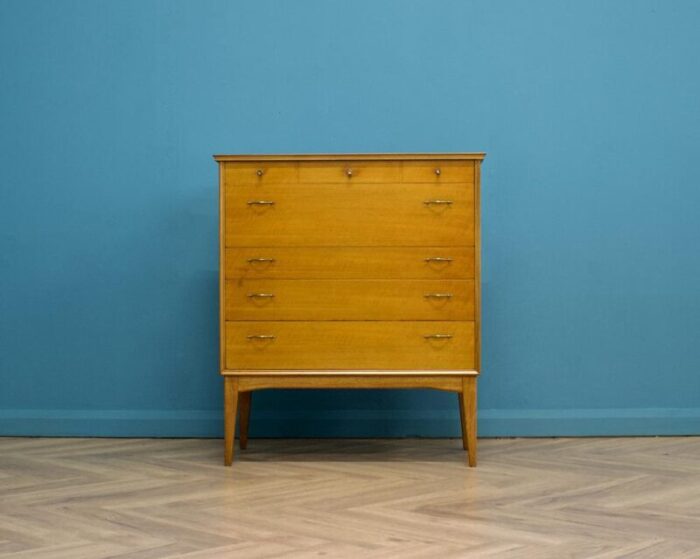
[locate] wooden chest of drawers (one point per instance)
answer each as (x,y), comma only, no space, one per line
(349,271)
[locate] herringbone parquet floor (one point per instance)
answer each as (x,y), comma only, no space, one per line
(531,498)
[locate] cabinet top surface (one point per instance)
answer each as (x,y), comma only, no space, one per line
(478,156)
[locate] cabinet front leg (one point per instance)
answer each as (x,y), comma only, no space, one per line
(468,405)
(460,398)
(230,412)
(244,418)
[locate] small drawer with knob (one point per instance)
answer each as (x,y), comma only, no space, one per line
(438,171)
(355,171)
(260,173)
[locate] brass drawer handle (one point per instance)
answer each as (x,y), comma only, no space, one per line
(438,295)
(438,336)
(438,202)
(261,337)
(438,259)
(261,295)
(261,203)
(253,260)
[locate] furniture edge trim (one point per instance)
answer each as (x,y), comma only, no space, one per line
(449,383)
(347,373)
(476,156)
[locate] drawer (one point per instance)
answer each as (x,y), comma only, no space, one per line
(350,171)
(350,214)
(349,299)
(438,171)
(350,262)
(350,345)
(260,173)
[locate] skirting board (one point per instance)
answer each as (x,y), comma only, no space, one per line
(351,423)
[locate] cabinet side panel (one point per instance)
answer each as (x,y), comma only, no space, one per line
(477,264)
(222,268)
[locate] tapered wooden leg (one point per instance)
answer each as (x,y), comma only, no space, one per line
(468,405)
(460,397)
(230,411)
(244,418)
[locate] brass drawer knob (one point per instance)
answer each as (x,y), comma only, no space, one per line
(260,172)
(438,336)
(348,172)
(438,171)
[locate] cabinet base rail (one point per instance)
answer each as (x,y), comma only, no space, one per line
(239,386)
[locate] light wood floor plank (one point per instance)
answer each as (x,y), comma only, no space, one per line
(380,499)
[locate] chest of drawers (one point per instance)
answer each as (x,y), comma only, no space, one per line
(349,271)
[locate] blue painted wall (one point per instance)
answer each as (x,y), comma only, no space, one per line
(589,112)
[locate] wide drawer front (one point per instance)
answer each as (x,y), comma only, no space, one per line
(350,214)
(350,262)
(350,345)
(349,299)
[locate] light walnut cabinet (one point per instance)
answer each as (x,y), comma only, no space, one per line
(349,271)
